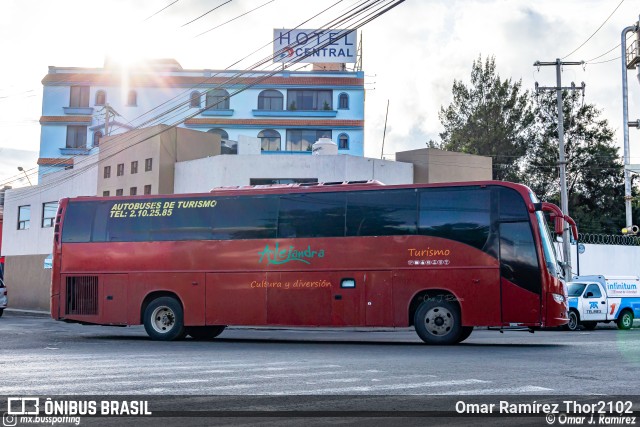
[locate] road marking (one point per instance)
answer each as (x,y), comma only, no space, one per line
(513,390)
(386,387)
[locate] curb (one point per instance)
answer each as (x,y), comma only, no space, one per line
(24,312)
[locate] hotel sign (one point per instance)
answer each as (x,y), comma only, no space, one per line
(314,46)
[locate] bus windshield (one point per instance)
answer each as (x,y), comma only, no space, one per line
(549,251)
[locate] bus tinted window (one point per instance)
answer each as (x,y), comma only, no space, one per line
(311,215)
(78,221)
(245,218)
(518,259)
(381,213)
(462,214)
(512,206)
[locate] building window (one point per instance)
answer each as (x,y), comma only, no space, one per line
(224,136)
(24,217)
(270,100)
(101,97)
(96,138)
(133,191)
(120,169)
(105,194)
(303,139)
(270,140)
(79,97)
(195,99)
(309,99)
(76,137)
(147,189)
(343,141)
(343,101)
(218,99)
(49,210)
(132,98)
(148,164)
(119,192)
(134,167)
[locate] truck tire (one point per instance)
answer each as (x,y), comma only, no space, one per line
(204,333)
(164,319)
(574,321)
(438,322)
(589,326)
(1,311)
(625,320)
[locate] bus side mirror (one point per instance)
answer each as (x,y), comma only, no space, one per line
(558,225)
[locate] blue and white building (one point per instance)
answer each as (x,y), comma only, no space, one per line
(287,110)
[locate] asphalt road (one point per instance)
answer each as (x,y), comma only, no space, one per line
(312,377)
(41,356)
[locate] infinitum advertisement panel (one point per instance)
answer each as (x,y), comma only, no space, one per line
(314,46)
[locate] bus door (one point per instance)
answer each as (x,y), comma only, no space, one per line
(378,299)
(348,292)
(114,299)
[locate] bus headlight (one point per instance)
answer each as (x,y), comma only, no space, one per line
(558,298)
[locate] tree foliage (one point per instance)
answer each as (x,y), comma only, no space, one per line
(492,117)
(595,185)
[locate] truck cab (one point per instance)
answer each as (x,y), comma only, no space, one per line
(594,299)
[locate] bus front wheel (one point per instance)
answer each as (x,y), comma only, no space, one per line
(164,319)
(438,321)
(203,333)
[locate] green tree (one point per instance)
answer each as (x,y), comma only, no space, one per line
(491,117)
(595,185)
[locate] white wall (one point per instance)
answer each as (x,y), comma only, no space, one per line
(81,181)
(229,170)
(612,260)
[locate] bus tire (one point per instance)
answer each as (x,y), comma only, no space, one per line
(589,326)
(625,320)
(466,332)
(164,319)
(574,321)
(438,322)
(204,333)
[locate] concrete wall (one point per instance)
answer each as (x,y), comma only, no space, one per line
(28,283)
(432,165)
(230,170)
(612,260)
(25,250)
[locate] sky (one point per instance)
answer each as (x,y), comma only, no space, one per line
(411,55)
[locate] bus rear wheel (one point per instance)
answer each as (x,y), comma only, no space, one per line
(164,319)
(438,322)
(625,320)
(203,333)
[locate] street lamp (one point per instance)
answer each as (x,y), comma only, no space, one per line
(21,169)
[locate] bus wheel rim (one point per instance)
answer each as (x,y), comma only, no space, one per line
(163,319)
(439,321)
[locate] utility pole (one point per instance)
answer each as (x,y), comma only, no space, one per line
(564,201)
(630,60)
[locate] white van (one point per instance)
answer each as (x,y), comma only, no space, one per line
(594,299)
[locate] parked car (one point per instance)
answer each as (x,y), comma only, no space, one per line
(3,297)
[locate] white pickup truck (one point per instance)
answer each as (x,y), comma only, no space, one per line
(594,299)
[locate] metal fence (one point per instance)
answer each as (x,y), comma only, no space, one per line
(608,239)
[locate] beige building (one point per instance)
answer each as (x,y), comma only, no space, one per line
(143,161)
(431,165)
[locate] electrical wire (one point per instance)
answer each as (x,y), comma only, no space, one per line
(237,17)
(595,32)
(206,13)
(171,4)
(363,21)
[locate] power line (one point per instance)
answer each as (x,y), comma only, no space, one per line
(594,33)
(384,8)
(171,4)
(206,13)
(237,17)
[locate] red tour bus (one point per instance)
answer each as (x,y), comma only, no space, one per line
(443,257)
